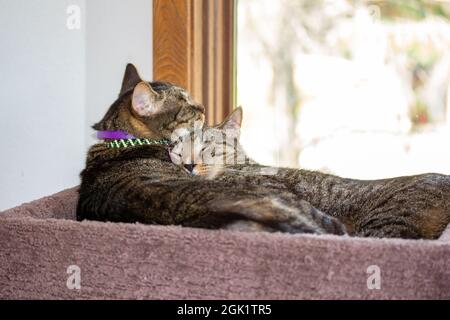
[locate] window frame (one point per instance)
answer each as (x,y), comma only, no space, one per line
(194,46)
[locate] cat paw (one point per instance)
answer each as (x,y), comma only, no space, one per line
(308,219)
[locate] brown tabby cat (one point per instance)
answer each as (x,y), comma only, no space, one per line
(134,180)
(404,207)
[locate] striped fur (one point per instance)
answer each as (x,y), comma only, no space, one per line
(403,207)
(139,183)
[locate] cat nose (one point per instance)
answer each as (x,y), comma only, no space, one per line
(189,167)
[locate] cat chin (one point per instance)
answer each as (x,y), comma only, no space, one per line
(199,171)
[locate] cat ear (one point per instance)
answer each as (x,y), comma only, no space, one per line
(130,79)
(233,121)
(145,100)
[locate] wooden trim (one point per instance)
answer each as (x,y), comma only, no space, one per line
(193,46)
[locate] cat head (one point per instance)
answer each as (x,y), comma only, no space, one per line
(150,109)
(210,150)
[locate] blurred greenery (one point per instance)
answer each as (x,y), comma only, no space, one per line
(423,57)
(309,26)
(419,114)
(411,9)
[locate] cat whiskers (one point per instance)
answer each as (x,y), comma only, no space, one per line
(205,170)
(211,171)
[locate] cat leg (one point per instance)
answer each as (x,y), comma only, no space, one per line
(327,222)
(214,204)
(274,213)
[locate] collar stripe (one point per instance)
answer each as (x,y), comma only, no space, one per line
(125,143)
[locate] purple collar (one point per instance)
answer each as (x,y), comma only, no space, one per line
(114,134)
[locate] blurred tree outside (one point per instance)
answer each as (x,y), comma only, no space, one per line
(409,38)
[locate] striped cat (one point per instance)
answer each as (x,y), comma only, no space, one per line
(132,179)
(404,207)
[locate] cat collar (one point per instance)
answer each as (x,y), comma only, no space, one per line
(122,139)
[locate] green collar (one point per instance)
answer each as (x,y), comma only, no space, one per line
(125,143)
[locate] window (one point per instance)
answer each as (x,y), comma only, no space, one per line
(355,88)
(193,46)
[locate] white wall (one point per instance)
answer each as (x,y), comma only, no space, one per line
(55,83)
(118,32)
(41,99)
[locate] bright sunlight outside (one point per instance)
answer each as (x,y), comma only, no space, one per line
(360,89)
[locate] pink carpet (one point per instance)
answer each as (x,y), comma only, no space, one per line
(40,240)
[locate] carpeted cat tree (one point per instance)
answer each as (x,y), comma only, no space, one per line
(46,254)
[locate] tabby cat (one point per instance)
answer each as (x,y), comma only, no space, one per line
(404,207)
(134,179)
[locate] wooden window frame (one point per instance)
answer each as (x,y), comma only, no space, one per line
(194,47)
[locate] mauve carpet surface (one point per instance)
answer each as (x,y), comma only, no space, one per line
(40,240)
